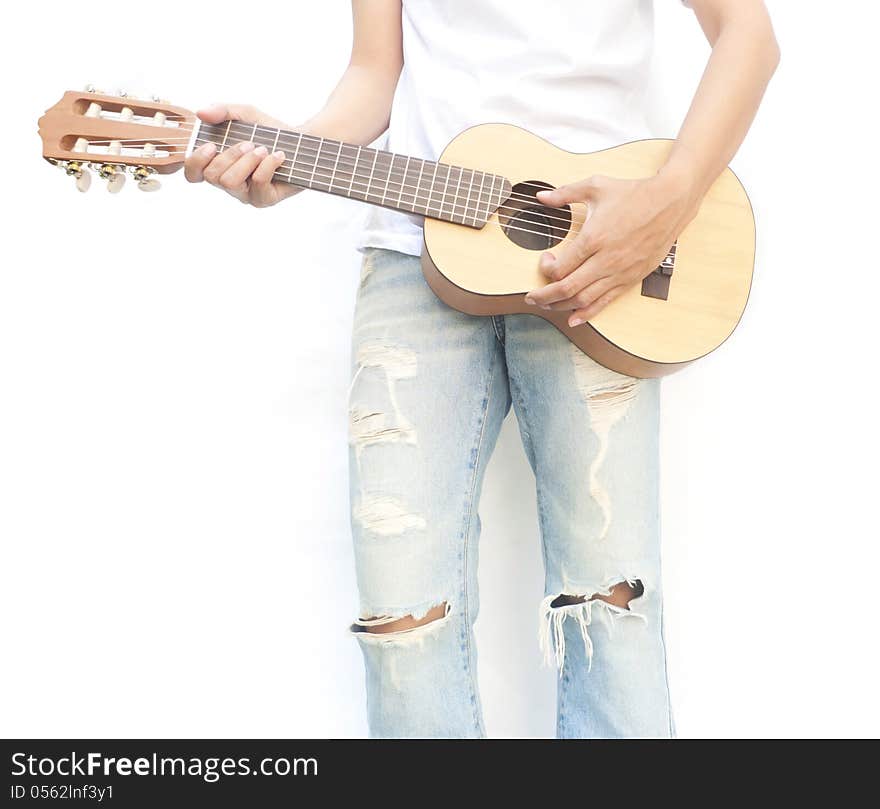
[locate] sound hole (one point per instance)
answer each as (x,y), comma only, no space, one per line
(528,223)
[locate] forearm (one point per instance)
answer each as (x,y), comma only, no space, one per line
(359,108)
(744,57)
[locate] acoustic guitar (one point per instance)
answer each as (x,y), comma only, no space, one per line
(484,227)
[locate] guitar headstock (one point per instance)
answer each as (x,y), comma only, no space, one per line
(115,134)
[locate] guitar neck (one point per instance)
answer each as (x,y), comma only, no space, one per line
(438,190)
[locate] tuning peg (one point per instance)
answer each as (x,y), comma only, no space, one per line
(116,182)
(146,182)
(114,177)
(83,176)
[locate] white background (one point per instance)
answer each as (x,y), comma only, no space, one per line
(174,368)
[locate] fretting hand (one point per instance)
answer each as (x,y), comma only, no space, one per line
(631,224)
(245,171)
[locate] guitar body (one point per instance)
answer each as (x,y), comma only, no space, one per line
(487,272)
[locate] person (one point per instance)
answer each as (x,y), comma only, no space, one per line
(431,385)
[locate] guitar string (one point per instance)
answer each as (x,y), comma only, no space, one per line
(289,136)
(307,151)
(286,173)
(276,134)
(432,210)
(344,163)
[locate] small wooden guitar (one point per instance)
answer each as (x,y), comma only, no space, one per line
(484,227)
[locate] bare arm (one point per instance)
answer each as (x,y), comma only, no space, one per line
(357,111)
(744,57)
(632,223)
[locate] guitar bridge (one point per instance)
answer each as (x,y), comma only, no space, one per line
(656,285)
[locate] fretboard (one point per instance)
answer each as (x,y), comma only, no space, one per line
(465,196)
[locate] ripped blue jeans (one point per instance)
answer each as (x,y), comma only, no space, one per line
(430,389)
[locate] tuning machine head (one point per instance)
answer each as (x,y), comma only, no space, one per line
(114,175)
(78,170)
(145,179)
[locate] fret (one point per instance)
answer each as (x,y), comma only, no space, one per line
(413,178)
(416,193)
(321,171)
(409,188)
(431,189)
(317,158)
(479,199)
(254,132)
(467,201)
(275,144)
(357,160)
(360,186)
(375,174)
(372,172)
(388,177)
(403,182)
(225,136)
(443,194)
(335,164)
(387,168)
(293,159)
(385,172)
(491,203)
(457,187)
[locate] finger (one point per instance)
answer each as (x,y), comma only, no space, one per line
(580,191)
(586,296)
(221,163)
(236,176)
(569,255)
(228,112)
(194,166)
(583,315)
(261,191)
(568,287)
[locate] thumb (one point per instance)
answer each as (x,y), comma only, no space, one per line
(213,114)
(573,192)
(228,112)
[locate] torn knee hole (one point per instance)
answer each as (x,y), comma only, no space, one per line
(387,516)
(621,594)
(608,395)
(386,625)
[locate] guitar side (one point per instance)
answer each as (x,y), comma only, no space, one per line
(483,272)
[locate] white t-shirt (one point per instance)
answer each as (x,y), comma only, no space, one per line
(572,71)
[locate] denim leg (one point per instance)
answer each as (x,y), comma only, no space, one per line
(592,437)
(429,393)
